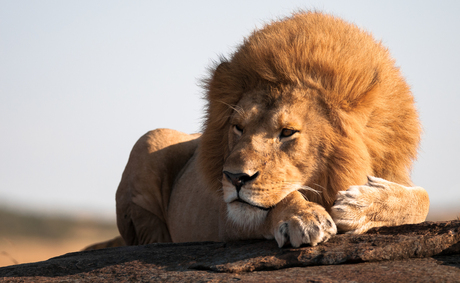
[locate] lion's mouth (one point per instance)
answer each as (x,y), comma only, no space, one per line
(253,205)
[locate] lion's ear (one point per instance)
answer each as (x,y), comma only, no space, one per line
(356,91)
(221,69)
(220,80)
(352,111)
(364,100)
(234,77)
(219,72)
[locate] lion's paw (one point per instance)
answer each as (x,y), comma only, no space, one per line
(312,227)
(355,209)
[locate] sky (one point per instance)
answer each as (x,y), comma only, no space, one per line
(81,81)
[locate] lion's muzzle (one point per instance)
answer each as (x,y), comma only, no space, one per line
(239,179)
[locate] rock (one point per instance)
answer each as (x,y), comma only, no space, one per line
(429,251)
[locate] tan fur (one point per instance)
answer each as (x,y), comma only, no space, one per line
(307,107)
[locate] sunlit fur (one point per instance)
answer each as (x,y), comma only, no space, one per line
(309,106)
(369,122)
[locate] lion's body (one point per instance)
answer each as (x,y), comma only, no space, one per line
(304,110)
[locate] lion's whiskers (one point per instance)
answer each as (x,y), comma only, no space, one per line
(297,186)
(236,108)
(303,189)
(324,189)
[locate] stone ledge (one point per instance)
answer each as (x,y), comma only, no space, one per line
(409,250)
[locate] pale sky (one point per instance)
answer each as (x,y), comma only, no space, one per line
(81,81)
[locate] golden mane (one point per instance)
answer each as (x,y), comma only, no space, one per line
(365,98)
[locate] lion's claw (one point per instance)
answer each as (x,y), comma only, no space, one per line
(310,229)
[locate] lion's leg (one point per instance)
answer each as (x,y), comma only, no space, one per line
(379,203)
(145,188)
(145,227)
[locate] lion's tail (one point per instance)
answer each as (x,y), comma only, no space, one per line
(115,242)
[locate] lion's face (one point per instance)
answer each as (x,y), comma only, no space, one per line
(274,149)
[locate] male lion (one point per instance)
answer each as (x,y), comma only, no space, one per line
(298,120)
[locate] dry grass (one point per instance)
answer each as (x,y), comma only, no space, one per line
(31,238)
(449,213)
(29,249)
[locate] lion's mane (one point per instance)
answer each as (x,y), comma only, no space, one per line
(368,103)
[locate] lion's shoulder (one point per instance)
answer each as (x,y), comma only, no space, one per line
(159,139)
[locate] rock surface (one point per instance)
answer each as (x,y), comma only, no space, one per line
(426,252)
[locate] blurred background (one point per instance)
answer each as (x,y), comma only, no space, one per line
(81,81)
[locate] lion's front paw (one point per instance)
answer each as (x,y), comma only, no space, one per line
(349,210)
(378,203)
(311,227)
(360,208)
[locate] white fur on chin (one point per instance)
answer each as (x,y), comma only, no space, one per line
(245,216)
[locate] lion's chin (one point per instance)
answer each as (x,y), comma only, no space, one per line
(246,215)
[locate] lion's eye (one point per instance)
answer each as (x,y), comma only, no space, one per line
(238,130)
(285,133)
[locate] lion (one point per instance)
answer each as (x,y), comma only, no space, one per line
(310,129)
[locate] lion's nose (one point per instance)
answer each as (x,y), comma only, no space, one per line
(239,179)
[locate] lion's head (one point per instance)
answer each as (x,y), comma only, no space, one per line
(308,103)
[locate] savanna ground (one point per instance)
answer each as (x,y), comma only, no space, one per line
(33,237)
